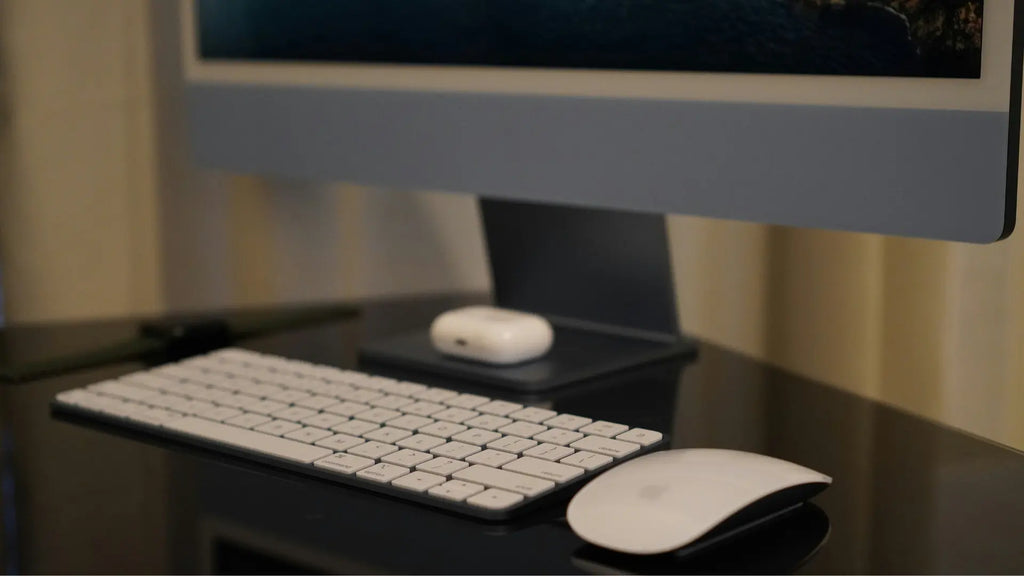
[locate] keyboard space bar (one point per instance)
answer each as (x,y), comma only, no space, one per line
(249,440)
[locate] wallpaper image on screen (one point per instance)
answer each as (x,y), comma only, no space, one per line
(937,38)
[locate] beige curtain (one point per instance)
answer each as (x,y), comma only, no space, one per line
(933,327)
(99,217)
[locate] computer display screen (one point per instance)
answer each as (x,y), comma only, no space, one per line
(891,116)
(886,37)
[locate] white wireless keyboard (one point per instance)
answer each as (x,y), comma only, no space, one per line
(463,452)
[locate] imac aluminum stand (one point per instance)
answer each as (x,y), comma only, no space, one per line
(602,278)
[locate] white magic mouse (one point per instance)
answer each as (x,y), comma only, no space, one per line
(666,500)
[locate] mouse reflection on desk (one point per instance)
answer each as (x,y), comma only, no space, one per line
(666,501)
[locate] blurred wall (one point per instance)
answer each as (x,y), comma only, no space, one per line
(101,214)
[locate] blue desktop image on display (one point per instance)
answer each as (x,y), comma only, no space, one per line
(851,37)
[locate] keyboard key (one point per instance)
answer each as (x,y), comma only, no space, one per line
(523,429)
(494,499)
(607,446)
(266,407)
(317,402)
(454,415)
(210,394)
(362,396)
(488,422)
(558,436)
(603,428)
(309,434)
(218,396)
(220,413)
(505,480)
(552,452)
(124,391)
(442,466)
(455,490)
(376,383)
(455,450)
(392,402)
(197,407)
(476,436)
(373,449)
(560,473)
(192,389)
(532,414)
(77,397)
(378,415)
(499,408)
(567,422)
(640,436)
(419,481)
(344,463)
(421,442)
(170,401)
(422,408)
(492,458)
(340,442)
(336,391)
(264,390)
(512,444)
(410,422)
(248,420)
(587,460)
(409,458)
(442,429)
(278,427)
(355,427)
(289,396)
(240,401)
(248,439)
(435,395)
(466,401)
(382,472)
(294,413)
(348,409)
(156,416)
(387,434)
(323,420)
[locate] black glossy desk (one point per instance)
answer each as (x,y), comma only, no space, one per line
(909,495)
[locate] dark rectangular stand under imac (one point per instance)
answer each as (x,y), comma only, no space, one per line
(602,278)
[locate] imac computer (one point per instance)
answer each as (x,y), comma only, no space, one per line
(580,123)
